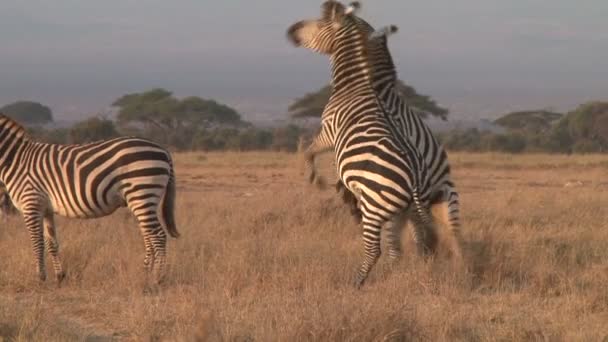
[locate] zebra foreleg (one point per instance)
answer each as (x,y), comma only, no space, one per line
(318,146)
(33,222)
(349,199)
(313,176)
(50,237)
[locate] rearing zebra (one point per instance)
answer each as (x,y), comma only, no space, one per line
(410,126)
(87,181)
(387,174)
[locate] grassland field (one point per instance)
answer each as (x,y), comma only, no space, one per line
(266,257)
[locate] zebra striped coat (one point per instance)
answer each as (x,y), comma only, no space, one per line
(409,126)
(88,181)
(387,174)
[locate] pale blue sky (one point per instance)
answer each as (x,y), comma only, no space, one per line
(478,57)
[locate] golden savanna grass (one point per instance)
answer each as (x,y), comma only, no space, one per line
(265,257)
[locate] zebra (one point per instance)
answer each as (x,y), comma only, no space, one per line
(386,174)
(88,181)
(409,125)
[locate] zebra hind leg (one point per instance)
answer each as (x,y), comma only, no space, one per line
(393,237)
(50,237)
(371,242)
(155,238)
(447,212)
(149,257)
(33,223)
(424,233)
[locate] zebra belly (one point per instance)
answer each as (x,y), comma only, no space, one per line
(82,210)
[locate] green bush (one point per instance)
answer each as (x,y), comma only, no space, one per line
(510,143)
(93,129)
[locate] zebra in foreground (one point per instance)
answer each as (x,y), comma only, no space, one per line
(410,126)
(386,174)
(88,181)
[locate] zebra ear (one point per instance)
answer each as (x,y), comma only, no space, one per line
(353,8)
(383,32)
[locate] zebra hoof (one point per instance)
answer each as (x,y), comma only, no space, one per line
(358,283)
(60,277)
(41,277)
(151,290)
(395,259)
(320,183)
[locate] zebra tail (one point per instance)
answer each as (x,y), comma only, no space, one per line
(422,212)
(168,207)
(425,227)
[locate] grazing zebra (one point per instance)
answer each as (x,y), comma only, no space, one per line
(87,181)
(386,174)
(410,126)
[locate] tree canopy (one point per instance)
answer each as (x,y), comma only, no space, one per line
(586,127)
(92,129)
(531,121)
(158,107)
(28,112)
(312,104)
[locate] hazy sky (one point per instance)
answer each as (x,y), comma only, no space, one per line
(478,57)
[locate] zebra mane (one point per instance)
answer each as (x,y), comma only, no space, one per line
(362,33)
(331,8)
(7,123)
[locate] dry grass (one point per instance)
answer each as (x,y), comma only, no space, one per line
(265,257)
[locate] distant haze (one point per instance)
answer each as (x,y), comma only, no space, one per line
(480,58)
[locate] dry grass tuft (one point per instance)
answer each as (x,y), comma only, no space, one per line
(263,256)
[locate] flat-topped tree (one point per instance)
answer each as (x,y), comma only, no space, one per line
(311,105)
(28,112)
(158,107)
(530,121)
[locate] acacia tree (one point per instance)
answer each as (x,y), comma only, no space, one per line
(93,129)
(529,122)
(28,112)
(312,104)
(159,108)
(587,126)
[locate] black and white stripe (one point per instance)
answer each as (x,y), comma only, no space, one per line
(87,181)
(409,125)
(387,174)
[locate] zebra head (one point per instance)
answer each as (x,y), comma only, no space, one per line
(319,34)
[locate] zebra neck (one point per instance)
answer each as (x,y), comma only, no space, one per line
(9,152)
(350,66)
(384,77)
